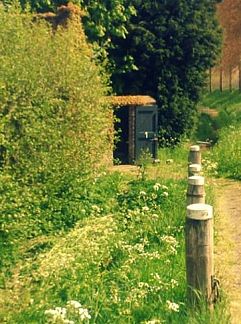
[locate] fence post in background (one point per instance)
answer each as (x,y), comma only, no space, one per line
(194,170)
(230,77)
(221,79)
(239,76)
(199,254)
(195,190)
(210,80)
(194,156)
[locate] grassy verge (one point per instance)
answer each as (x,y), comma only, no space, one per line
(124,265)
(224,159)
(230,100)
(123,262)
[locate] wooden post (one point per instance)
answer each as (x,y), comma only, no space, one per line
(194,156)
(230,78)
(239,76)
(210,80)
(195,190)
(194,170)
(199,254)
(221,79)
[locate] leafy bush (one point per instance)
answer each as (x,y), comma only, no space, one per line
(55,126)
(172,44)
(227,153)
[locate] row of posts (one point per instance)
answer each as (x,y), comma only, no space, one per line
(201,283)
(221,78)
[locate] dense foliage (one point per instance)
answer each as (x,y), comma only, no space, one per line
(54,124)
(159,48)
(102,21)
(172,43)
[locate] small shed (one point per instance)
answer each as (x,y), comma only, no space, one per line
(137,126)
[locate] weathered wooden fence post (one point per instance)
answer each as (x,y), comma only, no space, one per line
(239,76)
(199,254)
(194,169)
(195,190)
(210,80)
(221,79)
(194,156)
(230,77)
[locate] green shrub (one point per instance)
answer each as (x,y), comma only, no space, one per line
(54,123)
(227,153)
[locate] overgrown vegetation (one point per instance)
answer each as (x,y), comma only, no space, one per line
(54,126)
(225,156)
(123,267)
(162,49)
(124,262)
(77,244)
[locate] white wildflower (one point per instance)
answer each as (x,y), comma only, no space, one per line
(74,304)
(61,310)
(96,208)
(84,314)
(172,306)
(143,285)
(169,239)
(165,194)
(142,193)
(57,313)
(164,187)
(172,250)
(156,276)
(157,186)
(174,283)
(50,312)
(145,208)
(67,321)
(139,247)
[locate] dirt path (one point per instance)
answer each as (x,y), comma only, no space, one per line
(228,249)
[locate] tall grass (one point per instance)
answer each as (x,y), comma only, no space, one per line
(124,262)
(226,154)
(126,267)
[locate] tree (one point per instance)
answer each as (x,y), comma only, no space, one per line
(172,43)
(161,48)
(229,17)
(102,20)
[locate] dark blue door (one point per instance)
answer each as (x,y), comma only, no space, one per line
(146,131)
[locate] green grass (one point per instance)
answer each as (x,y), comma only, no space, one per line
(124,261)
(224,159)
(124,267)
(222,100)
(227,153)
